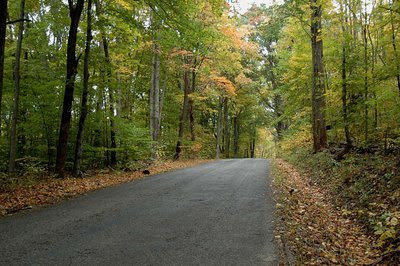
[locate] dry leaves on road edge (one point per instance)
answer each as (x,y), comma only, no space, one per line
(317,232)
(53,190)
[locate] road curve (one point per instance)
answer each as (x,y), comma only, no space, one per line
(219,213)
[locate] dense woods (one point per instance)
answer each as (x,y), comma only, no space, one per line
(94,84)
(102,84)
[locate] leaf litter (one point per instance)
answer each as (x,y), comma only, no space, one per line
(51,190)
(317,232)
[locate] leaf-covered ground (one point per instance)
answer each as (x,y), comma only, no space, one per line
(316,231)
(50,190)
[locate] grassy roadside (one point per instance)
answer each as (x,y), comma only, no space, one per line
(47,190)
(314,229)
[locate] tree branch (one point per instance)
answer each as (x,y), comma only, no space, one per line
(18,20)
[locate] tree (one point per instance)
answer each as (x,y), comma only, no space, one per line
(155,114)
(3,27)
(184,111)
(344,78)
(219,127)
(17,79)
(318,81)
(75,11)
(85,91)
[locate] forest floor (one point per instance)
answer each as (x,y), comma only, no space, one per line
(35,190)
(339,212)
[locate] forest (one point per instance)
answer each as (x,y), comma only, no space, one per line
(103,83)
(110,84)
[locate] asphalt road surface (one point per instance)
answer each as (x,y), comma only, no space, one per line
(219,213)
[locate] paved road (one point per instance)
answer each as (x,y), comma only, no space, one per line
(220,213)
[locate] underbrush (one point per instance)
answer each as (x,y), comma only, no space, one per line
(363,186)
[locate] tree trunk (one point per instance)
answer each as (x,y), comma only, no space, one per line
(85,91)
(182,118)
(365,78)
(162,94)
(190,107)
(113,157)
(75,12)
(279,125)
(253,143)
(17,78)
(277,99)
(219,127)
(236,128)
(318,86)
(155,94)
(344,84)
(226,128)
(112,161)
(3,29)
(396,56)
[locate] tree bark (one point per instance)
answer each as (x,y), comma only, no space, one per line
(236,128)
(75,12)
(190,107)
(182,118)
(396,56)
(277,99)
(366,85)
(113,157)
(85,91)
(17,78)
(318,86)
(344,83)
(112,160)
(253,143)
(226,128)
(155,94)
(3,29)
(219,127)
(162,94)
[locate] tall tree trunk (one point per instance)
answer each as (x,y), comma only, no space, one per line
(190,107)
(155,94)
(219,127)
(162,94)
(85,91)
(182,118)
(75,12)
(365,41)
(374,60)
(396,56)
(344,99)
(277,99)
(112,161)
(318,86)
(344,83)
(3,29)
(226,128)
(17,78)
(113,157)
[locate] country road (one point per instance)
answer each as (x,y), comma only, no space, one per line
(219,213)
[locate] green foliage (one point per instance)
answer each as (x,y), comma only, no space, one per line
(200,32)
